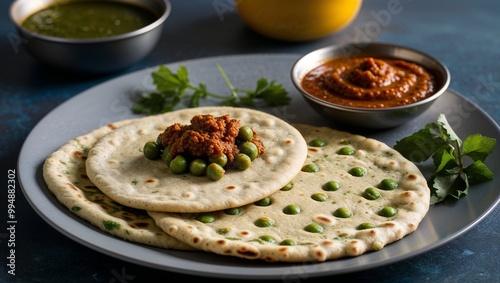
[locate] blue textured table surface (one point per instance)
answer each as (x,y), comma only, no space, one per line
(463,34)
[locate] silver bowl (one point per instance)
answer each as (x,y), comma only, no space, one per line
(370,118)
(100,55)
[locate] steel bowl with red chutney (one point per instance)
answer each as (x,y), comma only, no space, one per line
(373,86)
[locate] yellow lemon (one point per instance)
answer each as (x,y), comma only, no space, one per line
(297,20)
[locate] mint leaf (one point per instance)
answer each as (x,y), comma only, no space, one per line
(172,88)
(420,146)
(152,103)
(271,93)
(441,185)
(195,98)
(262,84)
(443,160)
(448,185)
(165,80)
(460,187)
(447,130)
(478,147)
(478,172)
(182,75)
(452,177)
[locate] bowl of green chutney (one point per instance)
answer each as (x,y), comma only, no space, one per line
(89,36)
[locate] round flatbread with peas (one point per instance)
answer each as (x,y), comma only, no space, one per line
(64,172)
(353,196)
(118,166)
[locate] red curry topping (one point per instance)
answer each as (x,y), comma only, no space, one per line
(369,82)
(206,136)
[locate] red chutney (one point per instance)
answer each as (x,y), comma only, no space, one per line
(369,82)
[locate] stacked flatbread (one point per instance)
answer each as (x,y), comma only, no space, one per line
(280,212)
(118,167)
(151,184)
(65,173)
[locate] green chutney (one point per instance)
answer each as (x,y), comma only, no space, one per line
(87,20)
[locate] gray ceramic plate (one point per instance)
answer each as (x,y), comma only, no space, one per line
(110,101)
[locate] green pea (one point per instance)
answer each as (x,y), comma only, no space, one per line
(242,161)
(357,172)
(250,149)
(346,151)
(264,202)
(388,184)
(331,186)
(388,211)
(319,197)
(178,165)
(198,167)
(268,238)
(365,225)
(221,159)
(371,193)
(314,228)
(214,171)
(151,150)
(310,168)
(288,242)
(291,209)
(287,187)
(317,143)
(263,222)
(245,133)
(233,211)
(165,156)
(342,212)
(159,141)
(205,218)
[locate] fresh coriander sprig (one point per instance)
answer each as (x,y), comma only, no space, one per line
(174,87)
(454,173)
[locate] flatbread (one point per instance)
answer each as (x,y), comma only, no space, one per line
(65,174)
(118,167)
(239,236)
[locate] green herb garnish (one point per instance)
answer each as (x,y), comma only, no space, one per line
(454,173)
(110,225)
(173,88)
